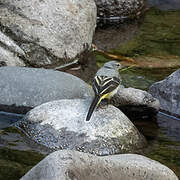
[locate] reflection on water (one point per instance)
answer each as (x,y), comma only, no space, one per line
(17,154)
(142,78)
(8,118)
(169,125)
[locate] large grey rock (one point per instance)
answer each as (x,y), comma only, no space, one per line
(9,51)
(61,125)
(123,9)
(29,87)
(68,165)
(136,103)
(10,58)
(168,93)
(48,31)
(137,97)
(10,44)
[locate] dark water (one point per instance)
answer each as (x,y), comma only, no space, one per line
(8,118)
(170,126)
(165,4)
(143,78)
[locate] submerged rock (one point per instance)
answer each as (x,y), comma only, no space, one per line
(68,165)
(167,92)
(47,31)
(61,125)
(24,88)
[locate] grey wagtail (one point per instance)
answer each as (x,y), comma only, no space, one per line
(105,84)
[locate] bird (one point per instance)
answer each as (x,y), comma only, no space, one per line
(105,84)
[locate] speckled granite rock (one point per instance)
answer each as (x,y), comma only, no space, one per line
(132,96)
(68,165)
(61,125)
(24,88)
(115,9)
(48,32)
(168,93)
(135,102)
(9,52)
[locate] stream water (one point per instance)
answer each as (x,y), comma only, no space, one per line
(18,155)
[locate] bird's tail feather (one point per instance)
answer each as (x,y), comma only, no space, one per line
(94,103)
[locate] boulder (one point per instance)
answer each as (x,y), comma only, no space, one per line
(132,96)
(8,58)
(116,10)
(47,32)
(167,92)
(10,52)
(61,125)
(68,165)
(135,103)
(24,88)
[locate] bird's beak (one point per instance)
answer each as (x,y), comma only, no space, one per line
(124,68)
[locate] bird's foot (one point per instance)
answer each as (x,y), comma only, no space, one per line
(104,104)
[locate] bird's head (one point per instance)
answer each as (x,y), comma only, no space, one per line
(113,65)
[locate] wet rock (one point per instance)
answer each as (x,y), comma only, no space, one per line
(115,10)
(61,125)
(66,165)
(47,32)
(135,102)
(24,88)
(167,92)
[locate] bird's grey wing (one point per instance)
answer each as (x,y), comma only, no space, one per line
(103,84)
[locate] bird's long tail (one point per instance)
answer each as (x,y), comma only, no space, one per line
(94,103)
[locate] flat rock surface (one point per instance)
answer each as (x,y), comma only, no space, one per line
(61,125)
(29,87)
(68,165)
(167,92)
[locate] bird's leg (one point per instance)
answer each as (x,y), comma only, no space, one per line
(104,103)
